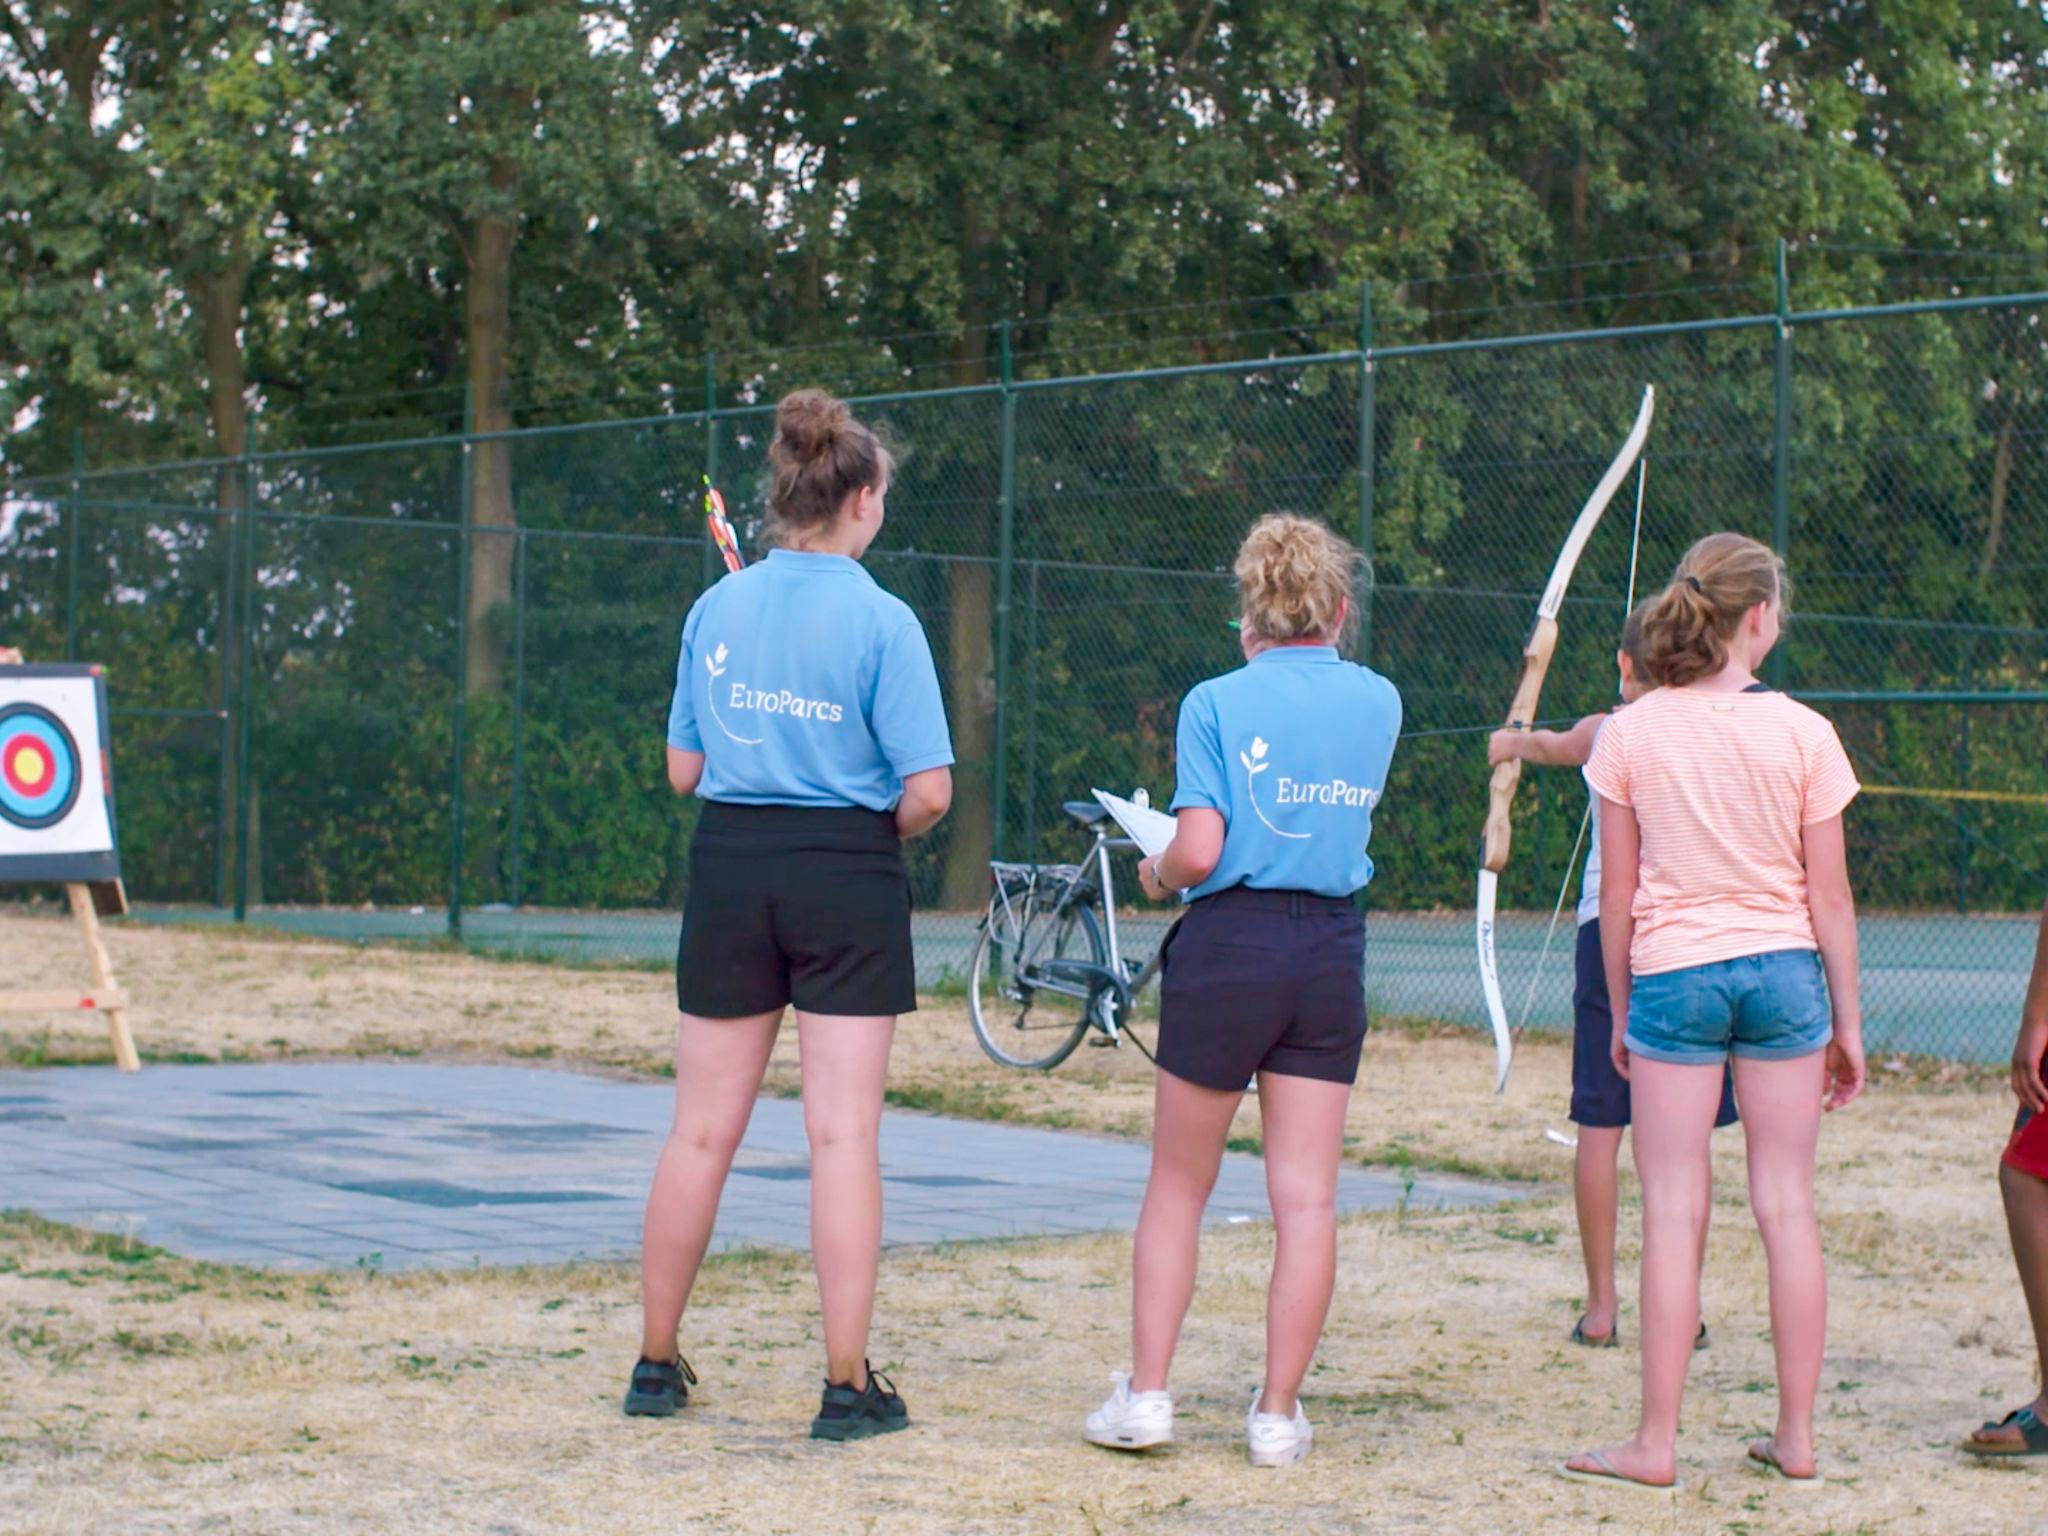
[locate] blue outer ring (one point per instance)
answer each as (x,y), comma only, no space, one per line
(64,752)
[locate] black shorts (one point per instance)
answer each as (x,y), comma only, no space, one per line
(795,904)
(1268,981)
(1599,1093)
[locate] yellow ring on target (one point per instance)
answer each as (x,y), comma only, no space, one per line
(32,766)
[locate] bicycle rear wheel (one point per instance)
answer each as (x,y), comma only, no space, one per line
(1019,1023)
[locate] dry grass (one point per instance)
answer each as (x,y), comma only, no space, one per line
(145,1391)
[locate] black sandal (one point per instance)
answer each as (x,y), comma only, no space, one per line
(2033,1436)
(1606,1341)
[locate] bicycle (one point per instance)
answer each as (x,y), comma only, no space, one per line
(1049,951)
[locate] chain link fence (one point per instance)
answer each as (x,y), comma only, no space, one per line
(417,689)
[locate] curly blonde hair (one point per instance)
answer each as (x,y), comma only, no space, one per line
(1294,580)
(1687,626)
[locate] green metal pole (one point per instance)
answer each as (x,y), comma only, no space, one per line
(1781,454)
(709,567)
(1368,406)
(1006,540)
(73,513)
(1031,712)
(518,702)
(224,697)
(1963,777)
(244,767)
(458,711)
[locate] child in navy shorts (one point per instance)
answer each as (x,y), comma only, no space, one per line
(1600,1102)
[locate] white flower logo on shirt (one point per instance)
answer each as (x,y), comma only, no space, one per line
(1255,764)
(715,665)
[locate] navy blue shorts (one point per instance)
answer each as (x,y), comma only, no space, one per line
(1263,981)
(1599,1093)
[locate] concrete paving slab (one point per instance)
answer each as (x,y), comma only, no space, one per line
(438,1166)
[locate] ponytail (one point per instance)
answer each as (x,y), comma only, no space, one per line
(1686,628)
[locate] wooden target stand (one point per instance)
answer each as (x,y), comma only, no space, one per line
(90,900)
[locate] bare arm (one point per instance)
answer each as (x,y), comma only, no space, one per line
(1190,858)
(1549,749)
(1834,929)
(1621,847)
(927,796)
(2032,1043)
(685,770)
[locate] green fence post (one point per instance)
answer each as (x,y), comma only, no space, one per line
(1368,406)
(73,513)
(708,568)
(224,691)
(1006,536)
(459,709)
(1963,672)
(518,703)
(1031,712)
(1781,452)
(245,516)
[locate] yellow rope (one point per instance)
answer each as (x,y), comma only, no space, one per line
(1994,796)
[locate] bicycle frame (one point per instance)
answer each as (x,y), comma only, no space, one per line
(1071,878)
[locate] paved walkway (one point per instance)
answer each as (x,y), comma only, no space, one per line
(409,1166)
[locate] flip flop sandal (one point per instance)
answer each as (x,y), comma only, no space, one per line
(1607,1477)
(1605,1341)
(2033,1437)
(1764,1456)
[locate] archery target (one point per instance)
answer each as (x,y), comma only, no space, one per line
(39,767)
(56,790)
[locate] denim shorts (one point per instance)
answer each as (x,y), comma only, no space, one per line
(1768,1007)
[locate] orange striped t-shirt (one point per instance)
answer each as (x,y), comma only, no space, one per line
(1721,785)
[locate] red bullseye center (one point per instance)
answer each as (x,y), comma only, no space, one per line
(27,765)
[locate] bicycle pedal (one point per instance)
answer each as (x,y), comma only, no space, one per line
(1101,1041)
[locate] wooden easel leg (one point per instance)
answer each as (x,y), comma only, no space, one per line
(80,896)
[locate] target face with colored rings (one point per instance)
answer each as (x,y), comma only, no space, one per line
(39,767)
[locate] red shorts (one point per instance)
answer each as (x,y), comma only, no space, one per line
(2028,1149)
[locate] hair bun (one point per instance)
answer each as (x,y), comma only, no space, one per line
(810,422)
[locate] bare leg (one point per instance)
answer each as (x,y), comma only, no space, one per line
(1303,1120)
(1673,1110)
(1595,1191)
(1781,1123)
(2026,1217)
(844,1062)
(719,1063)
(1190,1124)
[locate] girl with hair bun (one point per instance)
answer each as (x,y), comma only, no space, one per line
(807,718)
(1728,931)
(1278,767)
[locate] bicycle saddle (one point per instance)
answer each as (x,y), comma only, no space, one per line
(1086,812)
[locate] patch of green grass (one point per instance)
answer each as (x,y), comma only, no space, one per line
(1535,1237)
(1371,1404)
(1255,1145)
(1398,1154)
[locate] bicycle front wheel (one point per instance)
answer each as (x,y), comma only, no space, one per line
(1025,1013)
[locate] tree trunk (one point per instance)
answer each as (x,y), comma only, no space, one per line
(970,611)
(487,321)
(2001,484)
(218,297)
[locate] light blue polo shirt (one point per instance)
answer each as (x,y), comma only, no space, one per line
(1293,749)
(804,683)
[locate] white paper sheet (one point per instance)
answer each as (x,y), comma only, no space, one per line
(1151,830)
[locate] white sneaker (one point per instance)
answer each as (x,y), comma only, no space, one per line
(1131,1421)
(1274,1439)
